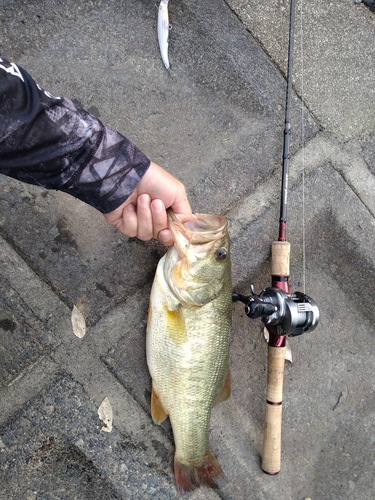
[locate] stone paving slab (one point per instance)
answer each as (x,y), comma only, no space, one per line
(326,403)
(54,406)
(217,110)
(24,337)
(211,122)
(71,247)
(53,449)
(338,57)
(215,121)
(322,400)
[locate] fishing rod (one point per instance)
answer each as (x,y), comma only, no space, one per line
(283,313)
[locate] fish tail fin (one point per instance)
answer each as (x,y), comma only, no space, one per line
(206,472)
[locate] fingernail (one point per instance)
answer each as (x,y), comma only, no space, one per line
(157,206)
(144,200)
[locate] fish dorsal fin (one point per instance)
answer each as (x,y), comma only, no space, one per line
(157,411)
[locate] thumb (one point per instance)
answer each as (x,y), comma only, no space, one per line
(182,209)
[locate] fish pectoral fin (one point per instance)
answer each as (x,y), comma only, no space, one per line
(157,411)
(225,390)
(175,325)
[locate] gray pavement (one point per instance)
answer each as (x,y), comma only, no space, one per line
(216,122)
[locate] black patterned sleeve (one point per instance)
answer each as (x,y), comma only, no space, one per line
(51,142)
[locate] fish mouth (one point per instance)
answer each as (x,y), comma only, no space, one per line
(202,228)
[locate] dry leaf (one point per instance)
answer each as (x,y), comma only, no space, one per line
(78,323)
(288,350)
(106,415)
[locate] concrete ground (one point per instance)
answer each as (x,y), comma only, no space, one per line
(216,122)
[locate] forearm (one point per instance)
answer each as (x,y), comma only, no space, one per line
(49,141)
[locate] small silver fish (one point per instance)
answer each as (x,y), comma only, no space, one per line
(163,31)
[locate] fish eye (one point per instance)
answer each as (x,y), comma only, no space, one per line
(221,254)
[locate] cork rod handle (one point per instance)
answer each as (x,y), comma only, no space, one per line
(271,457)
(280,258)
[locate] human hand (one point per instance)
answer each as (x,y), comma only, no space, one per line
(144,214)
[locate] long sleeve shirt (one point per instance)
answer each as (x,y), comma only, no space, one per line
(49,141)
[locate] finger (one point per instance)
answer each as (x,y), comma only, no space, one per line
(129,224)
(165,237)
(181,207)
(159,217)
(145,231)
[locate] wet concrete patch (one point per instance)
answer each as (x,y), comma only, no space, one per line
(58,468)
(71,247)
(53,448)
(24,336)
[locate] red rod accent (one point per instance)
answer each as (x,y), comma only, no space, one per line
(276,340)
(283,285)
(282,231)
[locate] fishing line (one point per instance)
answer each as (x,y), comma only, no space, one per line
(283,313)
(303,156)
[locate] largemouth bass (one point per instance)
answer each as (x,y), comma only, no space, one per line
(188,342)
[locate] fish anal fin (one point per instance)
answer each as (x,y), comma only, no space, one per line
(225,391)
(157,411)
(175,325)
(206,472)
